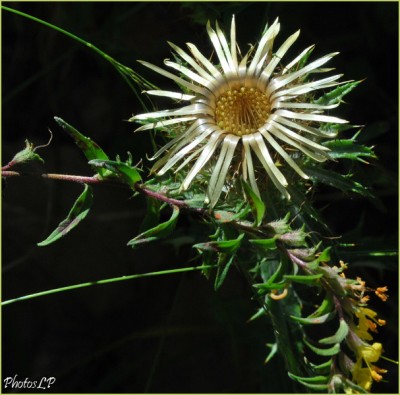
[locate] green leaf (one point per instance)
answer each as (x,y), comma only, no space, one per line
(325,307)
(152,217)
(314,379)
(269,244)
(128,174)
(78,212)
(314,320)
(339,336)
(325,256)
(223,216)
(349,149)
(260,313)
(162,230)
(315,387)
(273,351)
(324,352)
(90,149)
(336,95)
(336,180)
(308,280)
(223,246)
(270,283)
(323,367)
(257,205)
(222,270)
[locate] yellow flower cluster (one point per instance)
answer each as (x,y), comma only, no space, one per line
(365,375)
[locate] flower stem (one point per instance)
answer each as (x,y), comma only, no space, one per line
(95,180)
(53,176)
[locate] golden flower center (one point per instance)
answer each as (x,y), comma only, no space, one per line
(242,111)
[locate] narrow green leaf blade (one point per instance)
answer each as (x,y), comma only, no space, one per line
(325,307)
(162,230)
(336,180)
(314,320)
(269,244)
(324,352)
(308,280)
(223,246)
(323,368)
(339,336)
(336,95)
(315,387)
(78,212)
(89,148)
(257,205)
(128,174)
(272,352)
(314,379)
(222,272)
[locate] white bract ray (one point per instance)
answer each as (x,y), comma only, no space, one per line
(250,113)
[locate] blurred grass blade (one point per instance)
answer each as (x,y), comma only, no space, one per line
(78,212)
(127,74)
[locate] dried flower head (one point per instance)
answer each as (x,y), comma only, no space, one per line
(243,105)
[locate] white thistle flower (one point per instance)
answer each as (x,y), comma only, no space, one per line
(245,105)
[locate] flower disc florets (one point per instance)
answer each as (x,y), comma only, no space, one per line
(242,106)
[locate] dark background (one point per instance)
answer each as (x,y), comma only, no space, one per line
(170,333)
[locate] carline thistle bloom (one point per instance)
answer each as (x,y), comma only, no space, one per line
(244,114)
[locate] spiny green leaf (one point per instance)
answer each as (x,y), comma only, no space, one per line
(162,230)
(336,95)
(257,205)
(308,280)
(90,149)
(224,246)
(349,149)
(304,59)
(315,387)
(260,312)
(325,307)
(324,352)
(269,244)
(325,256)
(336,180)
(323,367)
(315,379)
(315,320)
(78,212)
(222,271)
(339,336)
(273,351)
(128,174)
